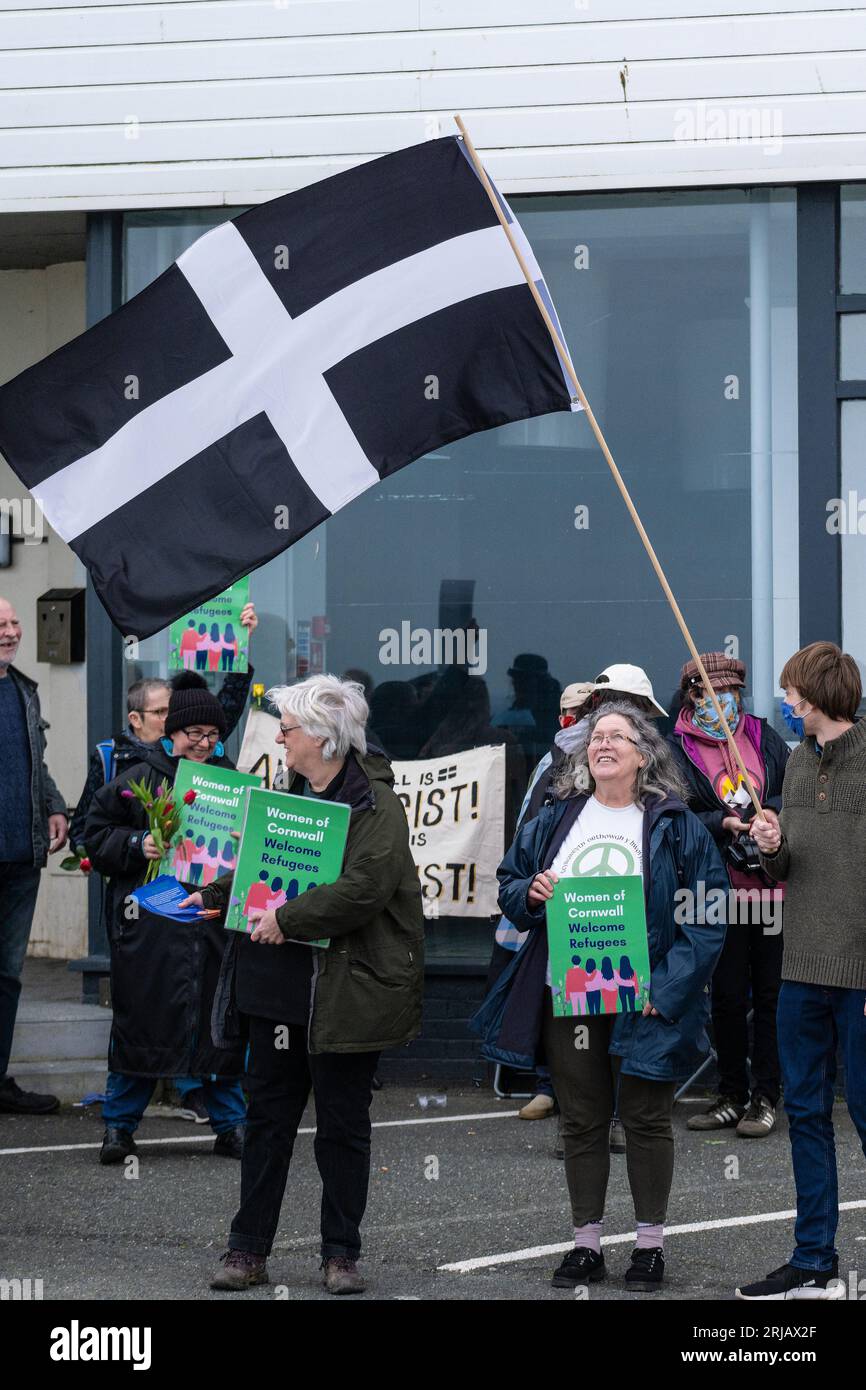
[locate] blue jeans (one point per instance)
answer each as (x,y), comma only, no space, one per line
(127,1098)
(543,1083)
(812,1021)
(19,885)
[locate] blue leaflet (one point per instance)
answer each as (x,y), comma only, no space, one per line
(162,896)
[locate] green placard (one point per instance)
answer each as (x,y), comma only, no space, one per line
(203,848)
(597,942)
(211,638)
(288,844)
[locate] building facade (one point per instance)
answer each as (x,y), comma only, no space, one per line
(693,182)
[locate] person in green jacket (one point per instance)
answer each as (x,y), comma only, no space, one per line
(319,1018)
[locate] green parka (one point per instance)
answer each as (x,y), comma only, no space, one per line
(367,986)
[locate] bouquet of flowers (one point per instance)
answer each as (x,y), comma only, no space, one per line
(163,817)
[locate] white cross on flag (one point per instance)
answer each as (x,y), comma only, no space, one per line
(286,362)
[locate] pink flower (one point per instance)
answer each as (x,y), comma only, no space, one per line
(130,796)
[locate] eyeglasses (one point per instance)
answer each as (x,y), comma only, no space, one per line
(616,739)
(199,736)
(162,711)
(288,728)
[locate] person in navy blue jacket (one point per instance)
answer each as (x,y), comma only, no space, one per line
(616,807)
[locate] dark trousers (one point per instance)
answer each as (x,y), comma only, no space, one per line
(279,1080)
(19,885)
(585,1081)
(750,957)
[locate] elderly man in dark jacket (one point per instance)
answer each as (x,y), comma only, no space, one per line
(32,825)
(337,1008)
(163,974)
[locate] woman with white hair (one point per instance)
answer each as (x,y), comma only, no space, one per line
(318,1019)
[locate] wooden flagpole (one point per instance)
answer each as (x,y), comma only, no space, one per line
(602,443)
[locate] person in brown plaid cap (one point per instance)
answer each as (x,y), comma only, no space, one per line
(751,961)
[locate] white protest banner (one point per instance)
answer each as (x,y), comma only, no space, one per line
(260,753)
(455,807)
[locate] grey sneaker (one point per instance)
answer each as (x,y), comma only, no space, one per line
(241,1269)
(759,1120)
(341,1275)
(722,1114)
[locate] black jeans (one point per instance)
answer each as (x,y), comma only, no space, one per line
(279,1081)
(750,956)
(19,886)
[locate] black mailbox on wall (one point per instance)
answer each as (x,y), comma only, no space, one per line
(60,626)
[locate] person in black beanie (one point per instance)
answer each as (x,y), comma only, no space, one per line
(163,973)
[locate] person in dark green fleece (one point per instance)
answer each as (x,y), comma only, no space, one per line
(341,1006)
(817,846)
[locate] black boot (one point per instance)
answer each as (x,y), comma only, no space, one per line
(230,1144)
(117,1144)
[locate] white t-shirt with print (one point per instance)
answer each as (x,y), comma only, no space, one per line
(605,841)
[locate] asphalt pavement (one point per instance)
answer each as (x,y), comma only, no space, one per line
(464,1201)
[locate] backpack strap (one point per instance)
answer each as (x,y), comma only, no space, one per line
(105,749)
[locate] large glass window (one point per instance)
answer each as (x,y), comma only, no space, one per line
(680,312)
(848,516)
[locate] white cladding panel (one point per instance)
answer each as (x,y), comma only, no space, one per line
(159,103)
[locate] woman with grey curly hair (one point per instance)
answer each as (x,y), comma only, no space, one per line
(337,1008)
(657,773)
(616,809)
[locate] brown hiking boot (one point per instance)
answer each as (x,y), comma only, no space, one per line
(341,1275)
(240,1270)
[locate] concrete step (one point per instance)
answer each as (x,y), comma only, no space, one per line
(68,1080)
(59,1030)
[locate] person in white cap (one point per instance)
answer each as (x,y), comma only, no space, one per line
(622,681)
(573,712)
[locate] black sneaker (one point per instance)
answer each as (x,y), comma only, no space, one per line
(230,1144)
(647,1270)
(117,1144)
(14,1101)
(580,1266)
(722,1114)
(192,1107)
(790,1282)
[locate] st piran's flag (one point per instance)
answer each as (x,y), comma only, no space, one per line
(286,362)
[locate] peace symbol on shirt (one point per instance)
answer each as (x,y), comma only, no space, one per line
(603,860)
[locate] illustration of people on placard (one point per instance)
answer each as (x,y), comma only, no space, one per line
(202,644)
(215,647)
(189,646)
(629,987)
(575,986)
(211,861)
(229,648)
(278,896)
(257,899)
(182,858)
(609,985)
(197,857)
(228,857)
(593,986)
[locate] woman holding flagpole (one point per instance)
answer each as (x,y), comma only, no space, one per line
(617,808)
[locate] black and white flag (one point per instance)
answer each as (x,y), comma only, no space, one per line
(286,362)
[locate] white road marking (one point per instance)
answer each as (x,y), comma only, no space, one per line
(537,1252)
(208,1138)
